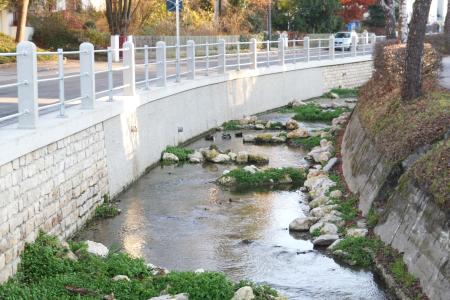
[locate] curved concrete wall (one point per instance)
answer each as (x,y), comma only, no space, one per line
(54,176)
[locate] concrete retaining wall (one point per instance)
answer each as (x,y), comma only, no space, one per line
(53,177)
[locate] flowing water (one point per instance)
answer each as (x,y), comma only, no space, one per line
(177,218)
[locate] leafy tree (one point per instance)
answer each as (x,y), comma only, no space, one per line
(412,83)
(389,17)
(355,9)
(317,16)
(376,16)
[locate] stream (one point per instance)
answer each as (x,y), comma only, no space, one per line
(178,218)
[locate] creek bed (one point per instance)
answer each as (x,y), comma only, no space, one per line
(178,218)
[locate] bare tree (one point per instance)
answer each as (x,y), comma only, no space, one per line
(22,22)
(447,19)
(403,21)
(389,16)
(412,83)
(118,13)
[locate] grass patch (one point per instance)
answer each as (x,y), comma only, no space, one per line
(347,208)
(307,143)
(372,218)
(360,250)
(107,209)
(266,177)
(231,125)
(432,172)
(276,125)
(313,112)
(316,232)
(181,153)
(45,273)
(401,274)
(343,93)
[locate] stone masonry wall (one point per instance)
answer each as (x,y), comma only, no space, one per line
(347,75)
(55,188)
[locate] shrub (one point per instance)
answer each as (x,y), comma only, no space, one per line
(308,143)
(267,177)
(181,153)
(401,274)
(313,112)
(231,125)
(52,31)
(360,250)
(7,44)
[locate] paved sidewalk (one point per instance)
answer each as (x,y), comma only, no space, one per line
(444,76)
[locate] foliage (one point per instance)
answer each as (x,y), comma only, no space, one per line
(372,218)
(360,250)
(344,93)
(107,209)
(347,208)
(7,44)
(181,153)
(201,286)
(46,273)
(261,292)
(401,274)
(376,17)
(313,112)
(267,176)
(432,172)
(316,232)
(58,35)
(231,125)
(306,142)
(312,16)
(353,10)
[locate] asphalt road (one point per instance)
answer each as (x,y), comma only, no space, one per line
(49,90)
(444,77)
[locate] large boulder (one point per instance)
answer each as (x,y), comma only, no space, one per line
(302,223)
(251,169)
(244,293)
(170,158)
(292,125)
(321,211)
(325,239)
(221,159)
(97,248)
(357,232)
(169,297)
(196,157)
(321,200)
(242,157)
(258,159)
(298,133)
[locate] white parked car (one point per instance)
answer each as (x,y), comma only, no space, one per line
(343,40)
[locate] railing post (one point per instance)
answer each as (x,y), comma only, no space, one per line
(254,54)
(366,37)
(221,58)
(62,106)
(146,60)
(129,74)
(115,47)
(191,59)
(110,74)
(87,75)
(306,47)
(28,87)
(281,51)
(161,63)
(354,45)
(331,46)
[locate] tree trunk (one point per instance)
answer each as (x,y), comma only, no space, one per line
(403,21)
(412,82)
(22,22)
(118,14)
(389,16)
(447,20)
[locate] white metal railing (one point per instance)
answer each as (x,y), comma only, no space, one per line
(155,68)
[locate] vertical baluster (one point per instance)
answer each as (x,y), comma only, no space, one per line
(110,74)
(62,107)
(238,56)
(207,58)
(268,53)
(147,83)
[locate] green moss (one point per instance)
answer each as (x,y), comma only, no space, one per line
(316,232)
(308,142)
(372,218)
(231,125)
(181,153)
(360,250)
(267,177)
(263,138)
(45,273)
(401,274)
(313,112)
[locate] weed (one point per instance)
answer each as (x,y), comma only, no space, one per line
(372,218)
(231,125)
(267,177)
(107,209)
(401,274)
(313,112)
(359,249)
(316,232)
(308,143)
(181,153)
(344,93)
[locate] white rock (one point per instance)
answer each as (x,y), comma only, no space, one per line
(325,239)
(302,223)
(244,293)
(321,211)
(169,297)
(334,244)
(221,158)
(232,156)
(298,133)
(198,271)
(315,227)
(357,232)
(248,138)
(330,164)
(333,217)
(260,127)
(225,172)
(329,228)
(120,277)
(252,169)
(336,194)
(321,200)
(196,157)
(170,157)
(97,248)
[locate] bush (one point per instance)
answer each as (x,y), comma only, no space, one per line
(52,31)
(7,44)
(181,153)
(313,112)
(308,143)
(267,177)
(231,125)
(359,250)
